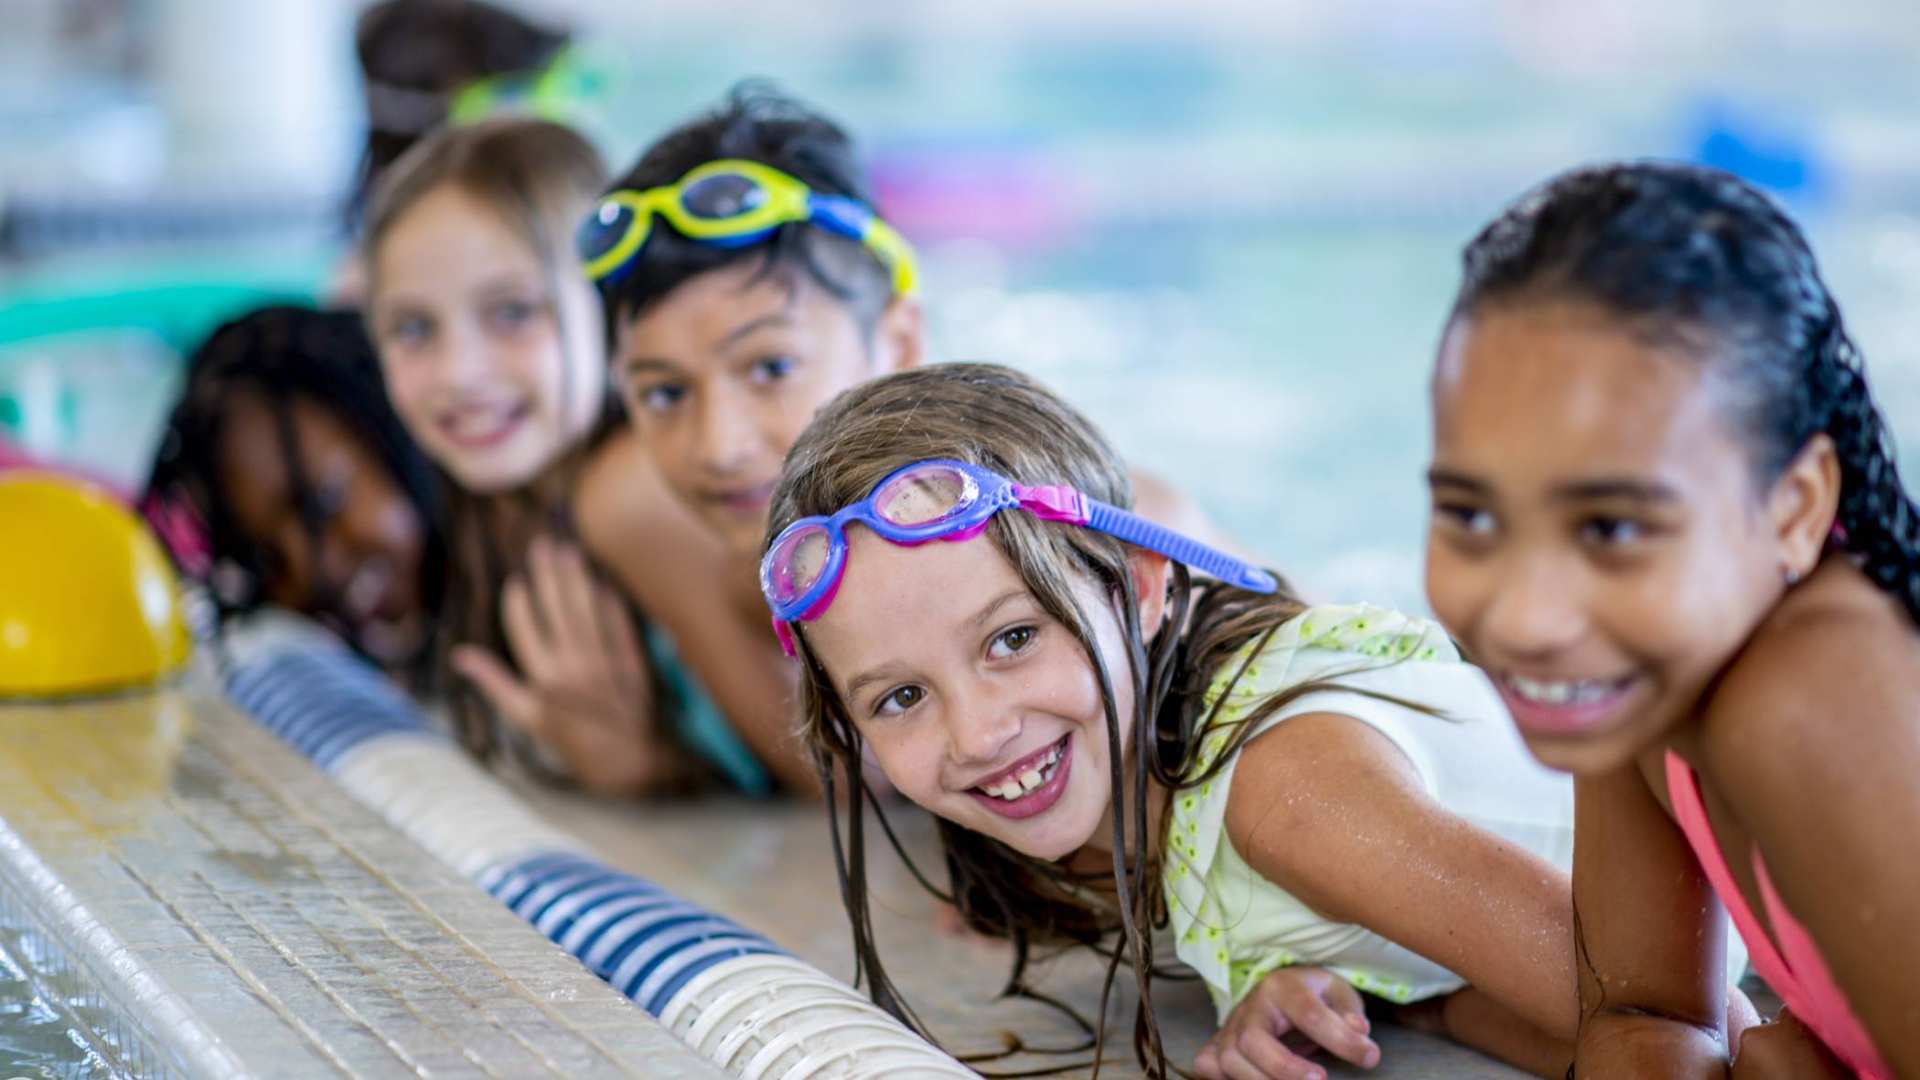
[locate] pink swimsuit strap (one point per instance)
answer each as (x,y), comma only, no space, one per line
(1794,968)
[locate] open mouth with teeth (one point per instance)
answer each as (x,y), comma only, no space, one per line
(477,427)
(1029,785)
(1564,706)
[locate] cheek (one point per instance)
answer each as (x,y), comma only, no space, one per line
(910,758)
(1452,586)
(1692,604)
(408,389)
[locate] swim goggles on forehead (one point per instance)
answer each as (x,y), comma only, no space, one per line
(951,500)
(733,203)
(558,90)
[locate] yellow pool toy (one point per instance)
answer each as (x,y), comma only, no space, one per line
(88,601)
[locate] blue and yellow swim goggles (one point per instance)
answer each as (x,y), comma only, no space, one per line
(733,203)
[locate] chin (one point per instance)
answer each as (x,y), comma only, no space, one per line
(493,477)
(1588,755)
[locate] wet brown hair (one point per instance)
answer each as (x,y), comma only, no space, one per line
(996,418)
(541,178)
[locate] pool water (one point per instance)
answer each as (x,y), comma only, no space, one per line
(38,1038)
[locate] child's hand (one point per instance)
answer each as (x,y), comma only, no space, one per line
(1785,1049)
(585,692)
(1293,1012)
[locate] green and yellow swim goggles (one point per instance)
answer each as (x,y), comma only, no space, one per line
(733,203)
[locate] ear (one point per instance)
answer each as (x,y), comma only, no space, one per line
(1803,504)
(899,336)
(1150,571)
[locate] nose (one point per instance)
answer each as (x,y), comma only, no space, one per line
(1535,608)
(333,563)
(979,732)
(454,356)
(726,437)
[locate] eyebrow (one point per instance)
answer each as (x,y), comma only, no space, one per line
(1603,487)
(734,335)
(640,364)
(1438,477)
(1609,487)
(890,669)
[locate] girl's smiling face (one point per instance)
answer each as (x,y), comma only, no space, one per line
(495,365)
(1597,538)
(979,705)
(348,545)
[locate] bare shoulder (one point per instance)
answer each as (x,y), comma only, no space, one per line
(1827,685)
(628,518)
(619,491)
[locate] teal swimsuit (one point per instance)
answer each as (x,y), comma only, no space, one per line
(699,721)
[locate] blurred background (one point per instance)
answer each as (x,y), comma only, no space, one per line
(1227,228)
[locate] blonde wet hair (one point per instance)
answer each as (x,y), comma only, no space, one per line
(999,419)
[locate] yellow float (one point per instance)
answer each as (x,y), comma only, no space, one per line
(89,603)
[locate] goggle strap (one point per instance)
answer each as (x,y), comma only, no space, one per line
(1140,532)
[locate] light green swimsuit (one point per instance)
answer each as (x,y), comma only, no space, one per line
(1232,925)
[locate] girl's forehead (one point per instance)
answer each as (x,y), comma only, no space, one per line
(450,229)
(1553,389)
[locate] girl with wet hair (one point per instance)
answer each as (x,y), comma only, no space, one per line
(284,477)
(1320,804)
(1668,521)
(490,343)
(788,288)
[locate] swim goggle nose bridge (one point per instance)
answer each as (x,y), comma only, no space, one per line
(953,501)
(733,203)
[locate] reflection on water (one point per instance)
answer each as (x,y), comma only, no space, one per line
(37,1038)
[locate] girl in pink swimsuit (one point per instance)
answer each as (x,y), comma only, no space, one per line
(1668,522)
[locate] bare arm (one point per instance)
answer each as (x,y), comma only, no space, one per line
(683,580)
(1651,938)
(1329,809)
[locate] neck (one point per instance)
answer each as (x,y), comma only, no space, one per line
(1097,853)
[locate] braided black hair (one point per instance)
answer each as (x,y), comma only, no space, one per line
(280,354)
(1697,257)
(755,122)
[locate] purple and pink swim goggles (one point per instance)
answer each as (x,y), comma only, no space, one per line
(952,500)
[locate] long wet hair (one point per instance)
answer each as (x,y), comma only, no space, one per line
(540,178)
(1697,258)
(996,418)
(755,122)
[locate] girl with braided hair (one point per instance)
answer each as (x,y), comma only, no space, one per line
(1667,520)
(284,477)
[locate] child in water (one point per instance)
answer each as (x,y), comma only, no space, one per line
(1311,800)
(747,278)
(1667,520)
(283,477)
(490,342)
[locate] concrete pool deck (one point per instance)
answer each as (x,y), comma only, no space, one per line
(197,900)
(769,865)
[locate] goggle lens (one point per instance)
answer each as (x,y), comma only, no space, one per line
(602,229)
(722,196)
(923,496)
(798,563)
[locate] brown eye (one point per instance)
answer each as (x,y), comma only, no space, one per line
(899,700)
(1012,641)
